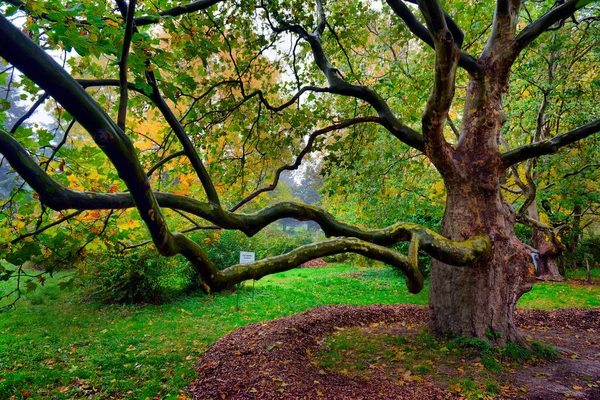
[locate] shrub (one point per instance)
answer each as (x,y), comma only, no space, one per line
(134,277)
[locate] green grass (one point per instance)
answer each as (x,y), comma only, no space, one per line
(54,345)
(552,295)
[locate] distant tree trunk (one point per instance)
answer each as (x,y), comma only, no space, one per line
(576,228)
(549,251)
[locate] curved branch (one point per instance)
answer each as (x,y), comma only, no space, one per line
(185,141)
(29,113)
(241,272)
(42,69)
(175,125)
(442,94)
(550,146)
(466,61)
(44,228)
(291,167)
(542,24)
(58,197)
(337,85)
(164,161)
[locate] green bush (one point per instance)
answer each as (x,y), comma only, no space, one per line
(133,277)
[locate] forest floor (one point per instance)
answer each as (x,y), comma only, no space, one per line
(385,352)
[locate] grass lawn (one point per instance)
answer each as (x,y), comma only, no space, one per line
(54,345)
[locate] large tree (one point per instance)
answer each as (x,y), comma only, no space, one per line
(236,81)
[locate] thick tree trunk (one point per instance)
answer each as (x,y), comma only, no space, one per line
(548,252)
(479,301)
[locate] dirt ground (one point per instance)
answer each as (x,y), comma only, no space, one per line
(272,360)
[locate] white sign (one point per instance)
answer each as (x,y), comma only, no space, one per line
(246,257)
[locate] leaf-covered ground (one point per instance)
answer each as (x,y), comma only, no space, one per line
(276,359)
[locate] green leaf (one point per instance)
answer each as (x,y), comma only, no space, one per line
(30,286)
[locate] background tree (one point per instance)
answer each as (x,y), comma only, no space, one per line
(235,83)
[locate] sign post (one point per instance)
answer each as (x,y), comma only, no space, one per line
(247,257)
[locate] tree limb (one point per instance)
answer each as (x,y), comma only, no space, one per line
(176,11)
(337,85)
(129,11)
(29,112)
(466,61)
(542,24)
(42,69)
(291,167)
(241,272)
(164,161)
(442,94)
(550,146)
(45,227)
(58,198)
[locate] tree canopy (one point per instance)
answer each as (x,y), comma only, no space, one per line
(196,109)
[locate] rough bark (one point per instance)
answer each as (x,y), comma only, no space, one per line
(480,300)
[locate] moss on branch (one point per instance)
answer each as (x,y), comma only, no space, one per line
(241,272)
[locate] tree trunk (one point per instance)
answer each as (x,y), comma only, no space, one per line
(479,301)
(549,252)
(576,230)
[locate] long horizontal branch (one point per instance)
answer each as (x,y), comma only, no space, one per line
(176,11)
(550,146)
(241,272)
(58,197)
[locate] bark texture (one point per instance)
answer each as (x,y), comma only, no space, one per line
(480,300)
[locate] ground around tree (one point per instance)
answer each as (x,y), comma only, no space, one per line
(283,359)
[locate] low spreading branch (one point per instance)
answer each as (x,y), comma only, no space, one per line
(58,197)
